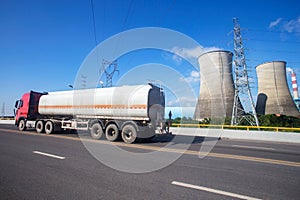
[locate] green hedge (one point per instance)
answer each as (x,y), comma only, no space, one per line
(264,120)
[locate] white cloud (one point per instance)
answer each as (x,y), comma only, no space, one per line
(274,23)
(182,102)
(177,59)
(195,74)
(193,77)
(192,53)
(289,70)
(291,26)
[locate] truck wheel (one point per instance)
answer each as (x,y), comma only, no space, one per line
(22,125)
(49,127)
(112,132)
(39,127)
(96,131)
(129,134)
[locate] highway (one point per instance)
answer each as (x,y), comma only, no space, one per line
(59,166)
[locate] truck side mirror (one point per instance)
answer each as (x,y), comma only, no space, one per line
(17,103)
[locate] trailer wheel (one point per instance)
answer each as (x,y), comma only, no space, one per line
(49,127)
(112,132)
(22,125)
(39,127)
(129,134)
(96,131)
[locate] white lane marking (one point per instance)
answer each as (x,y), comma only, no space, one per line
(253,147)
(49,155)
(213,190)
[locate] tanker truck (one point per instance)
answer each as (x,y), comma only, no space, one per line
(125,112)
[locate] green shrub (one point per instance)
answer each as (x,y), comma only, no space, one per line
(264,120)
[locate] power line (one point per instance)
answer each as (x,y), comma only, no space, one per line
(267,31)
(129,10)
(169,8)
(268,60)
(127,14)
(94,22)
(274,41)
(273,51)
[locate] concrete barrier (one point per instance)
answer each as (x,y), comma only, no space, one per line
(9,121)
(239,134)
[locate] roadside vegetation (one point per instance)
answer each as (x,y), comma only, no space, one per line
(264,120)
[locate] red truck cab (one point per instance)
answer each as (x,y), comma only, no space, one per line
(27,108)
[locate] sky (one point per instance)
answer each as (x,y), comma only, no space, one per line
(43,43)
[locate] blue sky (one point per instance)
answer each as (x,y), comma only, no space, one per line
(44,42)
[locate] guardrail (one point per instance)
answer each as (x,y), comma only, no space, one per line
(7,118)
(276,129)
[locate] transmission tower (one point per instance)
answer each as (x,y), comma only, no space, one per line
(112,66)
(242,88)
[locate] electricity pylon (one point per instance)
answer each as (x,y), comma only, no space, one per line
(242,88)
(109,75)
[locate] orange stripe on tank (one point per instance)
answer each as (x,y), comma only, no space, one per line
(100,106)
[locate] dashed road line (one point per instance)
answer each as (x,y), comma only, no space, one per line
(49,155)
(211,190)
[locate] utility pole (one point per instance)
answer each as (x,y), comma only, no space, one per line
(3,110)
(242,88)
(107,65)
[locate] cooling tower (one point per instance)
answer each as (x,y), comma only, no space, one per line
(273,93)
(216,85)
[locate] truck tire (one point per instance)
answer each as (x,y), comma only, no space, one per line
(129,134)
(96,131)
(49,127)
(112,132)
(22,125)
(39,126)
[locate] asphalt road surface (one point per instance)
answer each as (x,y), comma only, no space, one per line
(60,166)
